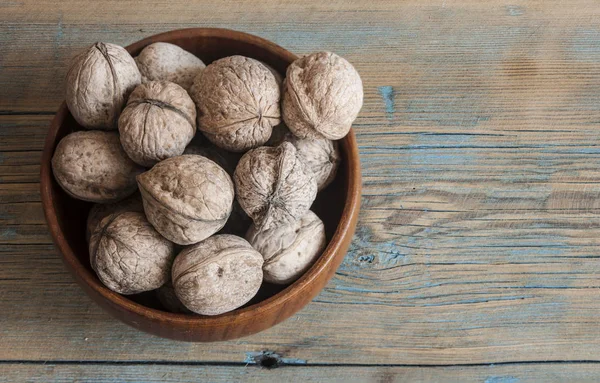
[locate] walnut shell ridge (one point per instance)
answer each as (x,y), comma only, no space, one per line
(101,210)
(323,96)
(321,156)
(217,275)
(273,185)
(157,123)
(98,84)
(168,62)
(289,250)
(187,198)
(128,255)
(92,166)
(238,103)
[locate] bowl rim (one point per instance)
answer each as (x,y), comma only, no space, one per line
(345,227)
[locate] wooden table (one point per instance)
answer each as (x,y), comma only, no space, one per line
(476,256)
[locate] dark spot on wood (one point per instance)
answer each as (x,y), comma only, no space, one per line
(520,67)
(270,360)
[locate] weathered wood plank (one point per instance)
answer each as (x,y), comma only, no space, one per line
(468,54)
(478,237)
(546,372)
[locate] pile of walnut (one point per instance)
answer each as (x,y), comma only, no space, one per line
(181,235)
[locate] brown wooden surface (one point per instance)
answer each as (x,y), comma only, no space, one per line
(479,231)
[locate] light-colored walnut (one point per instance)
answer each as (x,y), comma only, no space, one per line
(321,156)
(187,198)
(276,74)
(289,250)
(273,185)
(322,97)
(238,103)
(238,222)
(101,210)
(92,166)
(98,83)
(157,123)
(128,255)
(168,62)
(217,275)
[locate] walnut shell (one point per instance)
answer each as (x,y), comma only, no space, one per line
(217,275)
(277,75)
(168,299)
(321,156)
(92,166)
(289,250)
(101,210)
(323,95)
(238,103)
(238,222)
(273,186)
(157,123)
(98,84)
(128,255)
(168,62)
(187,198)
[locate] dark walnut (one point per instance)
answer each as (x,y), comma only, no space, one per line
(321,156)
(92,166)
(187,198)
(128,255)
(98,84)
(322,97)
(158,122)
(101,210)
(289,250)
(168,62)
(273,186)
(217,275)
(168,299)
(238,103)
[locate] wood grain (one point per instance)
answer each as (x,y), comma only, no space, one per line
(479,232)
(548,373)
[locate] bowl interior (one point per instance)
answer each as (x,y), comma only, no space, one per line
(72,214)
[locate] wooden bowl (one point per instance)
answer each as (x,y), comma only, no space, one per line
(337,205)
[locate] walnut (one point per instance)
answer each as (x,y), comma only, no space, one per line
(98,84)
(276,74)
(128,255)
(92,166)
(321,156)
(323,95)
(273,185)
(168,299)
(217,275)
(238,221)
(238,103)
(186,198)
(289,250)
(157,123)
(101,210)
(168,62)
